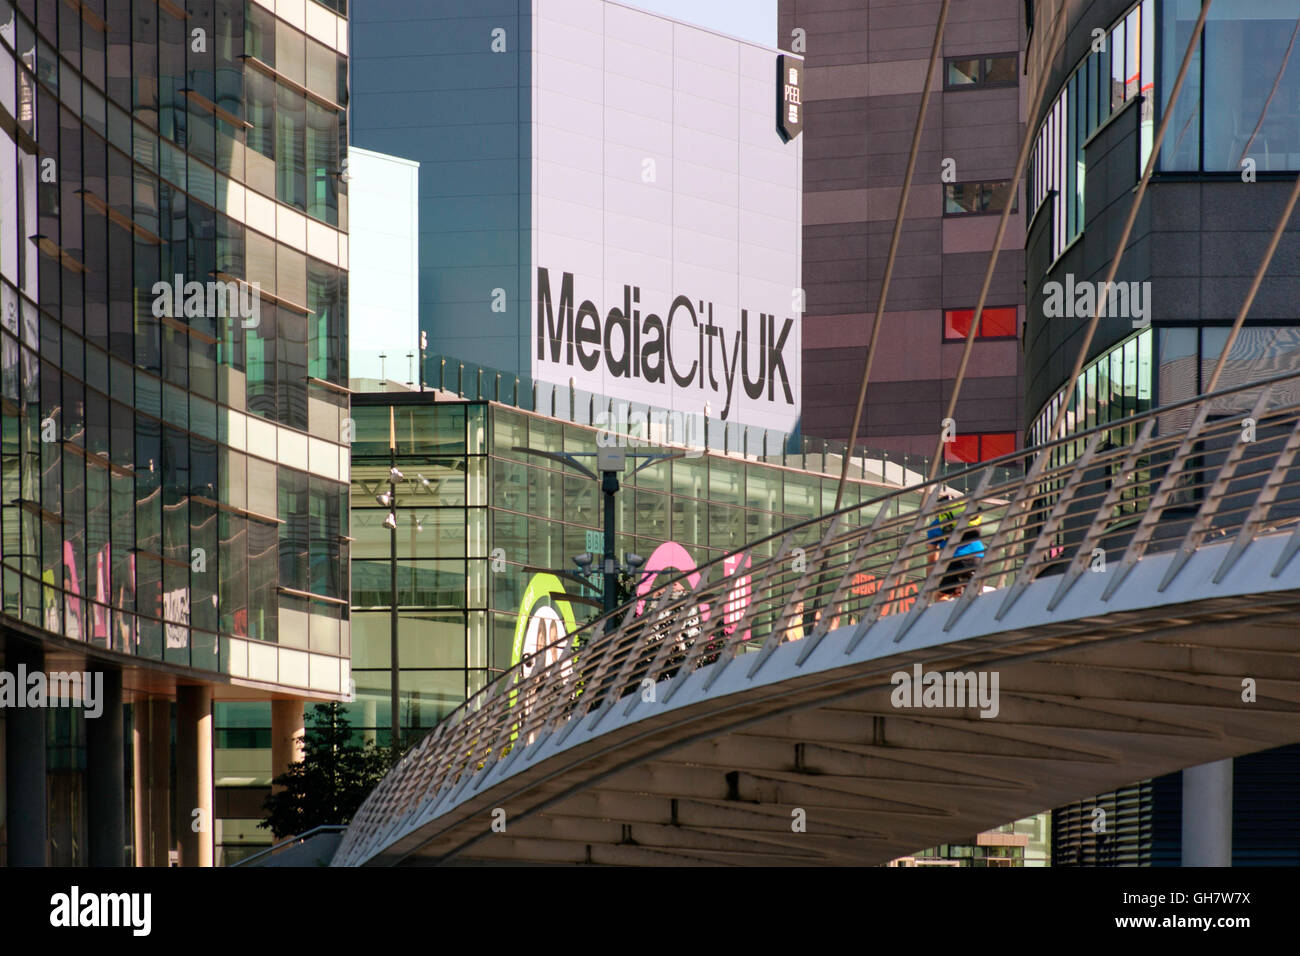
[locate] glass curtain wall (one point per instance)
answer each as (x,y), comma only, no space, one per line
(135,514)
(1241,99)
(1119,67)
(477,521)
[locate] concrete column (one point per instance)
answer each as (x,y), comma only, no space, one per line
(286,735)
(1207,814)
(370,716)
(194,774)
(151,740)
(105,769)
(25,813)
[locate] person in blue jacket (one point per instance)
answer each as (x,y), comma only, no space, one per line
(969,551)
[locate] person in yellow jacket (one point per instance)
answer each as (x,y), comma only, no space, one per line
(962,566)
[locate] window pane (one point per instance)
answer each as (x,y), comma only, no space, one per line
(963,72)
(260,36)
(290,53)
(1001,69)
(1133,45)
(956,323)
(1148,80)
(322,163)
(998,322)
(963,448)
(290,137)
(261,112)
(996,445)
(962,198)
(322,70)
(1245,116)
(1117,47)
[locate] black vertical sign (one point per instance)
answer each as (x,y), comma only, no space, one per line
(789,96)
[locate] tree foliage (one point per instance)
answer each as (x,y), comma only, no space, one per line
(332,780)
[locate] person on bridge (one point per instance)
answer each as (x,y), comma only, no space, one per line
(961,568)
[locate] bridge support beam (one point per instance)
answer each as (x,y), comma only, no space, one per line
(1207,814)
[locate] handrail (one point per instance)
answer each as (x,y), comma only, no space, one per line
(300,838)
(912,490)
(1172,476)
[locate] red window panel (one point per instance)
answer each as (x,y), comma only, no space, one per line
(963,448)
(979,447)
(997,444)
(956,323)
(999,322)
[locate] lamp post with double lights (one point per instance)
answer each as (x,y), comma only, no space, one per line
(388,499)
(631,566)
(610,461)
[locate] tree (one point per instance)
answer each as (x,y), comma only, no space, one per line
(332,780)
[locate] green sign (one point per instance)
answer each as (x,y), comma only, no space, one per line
(596,542)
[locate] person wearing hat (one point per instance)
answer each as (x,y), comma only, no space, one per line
(969,551)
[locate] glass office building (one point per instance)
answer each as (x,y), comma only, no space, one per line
(1217,188)
(173,258)
(481,526)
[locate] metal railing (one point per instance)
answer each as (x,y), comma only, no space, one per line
(278,848)
(1162,481)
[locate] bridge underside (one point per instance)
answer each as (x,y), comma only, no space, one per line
(1134,696)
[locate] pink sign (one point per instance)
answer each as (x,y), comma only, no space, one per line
(671,556)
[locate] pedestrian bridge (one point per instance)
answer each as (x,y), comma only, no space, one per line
(1136,611)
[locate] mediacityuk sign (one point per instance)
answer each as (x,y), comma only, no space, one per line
(679,347)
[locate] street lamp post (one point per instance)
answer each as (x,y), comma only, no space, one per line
(389,501)
(610,461)
(392,536)
(609,594)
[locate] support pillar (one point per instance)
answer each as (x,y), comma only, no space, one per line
(370,718)
(194,774)
(151,739)
(105,784)
(25,811)
(1207,814)
(286,736)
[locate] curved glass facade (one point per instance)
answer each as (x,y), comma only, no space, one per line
(1119,68)
(1115,385)
(173,298)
